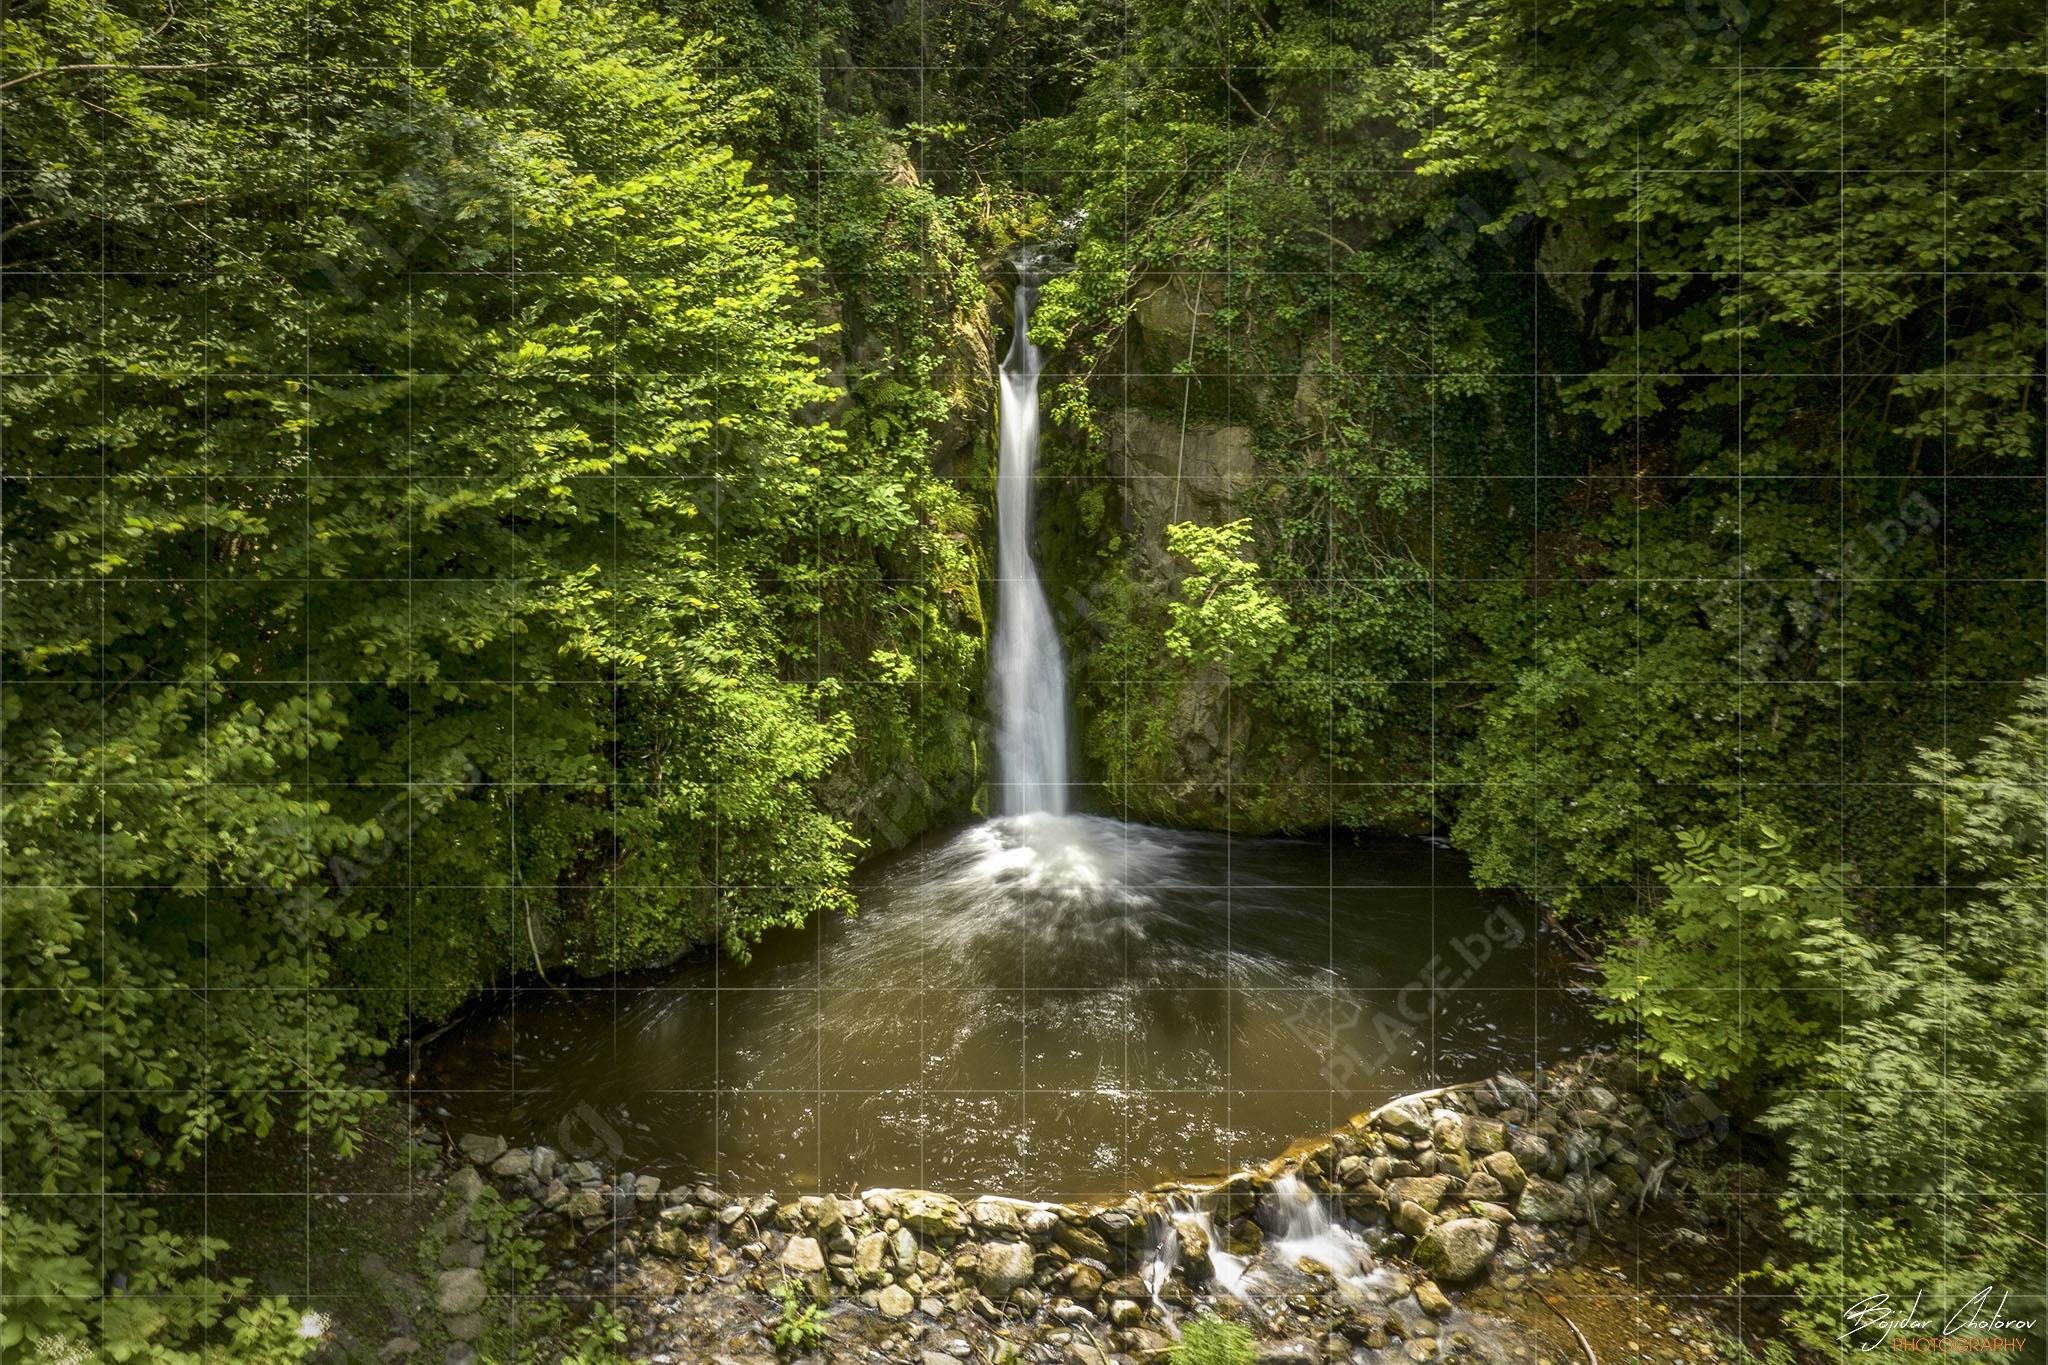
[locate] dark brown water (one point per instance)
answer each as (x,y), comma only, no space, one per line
(1041,1005)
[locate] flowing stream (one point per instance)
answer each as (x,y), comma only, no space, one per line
(1042,1004)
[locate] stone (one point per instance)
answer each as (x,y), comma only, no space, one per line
(1080,1354)
(1514,1092)
(1353,1171)
(1484,1186)
(803,1256)
(1624,1178)
(1593,1190)
(1426,1190)
(1294,1352)
(932,1215)
(1412,1219)
(468,1327)
(460,1291)
(1458,1249)
(646,1187)
(544,1159)
(1146,1345)
(1084,1282)
(396,1349)
(1078,1241)
(1447,1133)
(1544,1202)
(584,1205)
(1432,1300)
(460,1353)
(1406,1117)
(997,1216)
(934,1358)
(1602,1099)
(867,1255)
(1420,1349)
(1005,1267)
(1507,1169)
(1530,1149)
(513,1164)
(463,1253)
(464,1187)
(903,1250)
(1485,1136)
(480,1149)
(1125,1313)
(1499,1213)
(895,1302)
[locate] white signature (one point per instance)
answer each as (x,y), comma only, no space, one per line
(1875,1320)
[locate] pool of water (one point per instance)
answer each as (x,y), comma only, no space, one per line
(1047,1006)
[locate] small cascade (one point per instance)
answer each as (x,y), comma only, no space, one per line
(1307,1232)
(1029,673)
(1187,1223)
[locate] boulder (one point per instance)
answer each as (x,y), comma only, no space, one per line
(480,1149)
(895,1302)
(1432,1300)
(1005,1267)
(932,1215)
(1125,1313)
(803,1256)
(996,1216)
(1483,1185)
(1514,1092)
(1485,1136)
(1457,1250)
(867,1255)
(1084,1283)
(460,1291)
(1531,1150)
(513,1164)
(1447,1132)
(1119,1226)
(1426,1190)
(1412,1219)
(1078,1241)
(1503,1166)
(1408,1118)
(1544,1202)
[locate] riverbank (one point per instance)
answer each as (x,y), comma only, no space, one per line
(1527,1218)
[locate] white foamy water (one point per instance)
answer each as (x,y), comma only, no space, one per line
(1028,674)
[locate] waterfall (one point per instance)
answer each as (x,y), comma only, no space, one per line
(1030,683)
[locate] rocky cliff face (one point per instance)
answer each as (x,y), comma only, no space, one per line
(1180,437)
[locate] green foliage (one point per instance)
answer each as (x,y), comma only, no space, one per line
(1210,1340)
(419,532)
(1226,616)
(597,1342)
(1932,101)
(801,1327)
(1709,975)
(168,1310)
(1916,1127)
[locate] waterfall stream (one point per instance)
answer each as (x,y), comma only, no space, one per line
(1027,671)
